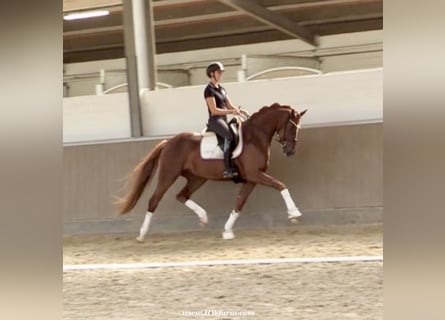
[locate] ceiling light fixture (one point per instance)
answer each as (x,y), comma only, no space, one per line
(86,14)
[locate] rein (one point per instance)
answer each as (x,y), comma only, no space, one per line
(283,141)
(276,132)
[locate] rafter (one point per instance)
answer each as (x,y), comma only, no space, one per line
(100,31)
(273,19)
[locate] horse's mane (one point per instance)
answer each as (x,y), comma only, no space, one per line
(264,109)
(259,113)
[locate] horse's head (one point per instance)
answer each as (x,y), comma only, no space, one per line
(288,133)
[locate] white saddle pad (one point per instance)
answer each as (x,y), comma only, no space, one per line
(210,150)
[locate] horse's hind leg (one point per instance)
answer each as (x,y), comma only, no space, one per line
(193,184)
(244,193)
(166,178)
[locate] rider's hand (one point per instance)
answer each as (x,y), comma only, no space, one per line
(236,112)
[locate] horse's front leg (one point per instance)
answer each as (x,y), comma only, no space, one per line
(244,193)
(266,180)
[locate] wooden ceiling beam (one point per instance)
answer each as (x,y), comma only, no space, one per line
(273,19)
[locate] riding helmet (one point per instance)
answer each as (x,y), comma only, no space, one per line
(213,67)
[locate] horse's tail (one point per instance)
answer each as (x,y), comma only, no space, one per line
(139,179)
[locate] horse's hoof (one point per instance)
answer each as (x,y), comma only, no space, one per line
(204,220)
(293,213)
(202,224)
(140,239)
(228,235)
(294,220)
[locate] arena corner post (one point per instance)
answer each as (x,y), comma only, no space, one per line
(139,55)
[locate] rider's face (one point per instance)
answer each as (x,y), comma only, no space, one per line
(218,75)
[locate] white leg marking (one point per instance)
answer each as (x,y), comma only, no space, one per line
(145,225)
(228,233)
(292,209)
(200,212)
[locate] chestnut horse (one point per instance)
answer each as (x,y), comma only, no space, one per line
(180,156)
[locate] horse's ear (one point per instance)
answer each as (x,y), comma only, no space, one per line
(303,112)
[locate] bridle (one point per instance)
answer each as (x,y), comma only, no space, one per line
(298,126)
(285,140)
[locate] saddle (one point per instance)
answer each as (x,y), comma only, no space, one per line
(212,145)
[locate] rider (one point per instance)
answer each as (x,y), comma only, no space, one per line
(219,106)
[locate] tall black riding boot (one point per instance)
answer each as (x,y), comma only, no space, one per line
(228,172)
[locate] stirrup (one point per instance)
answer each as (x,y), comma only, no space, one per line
(230,174)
